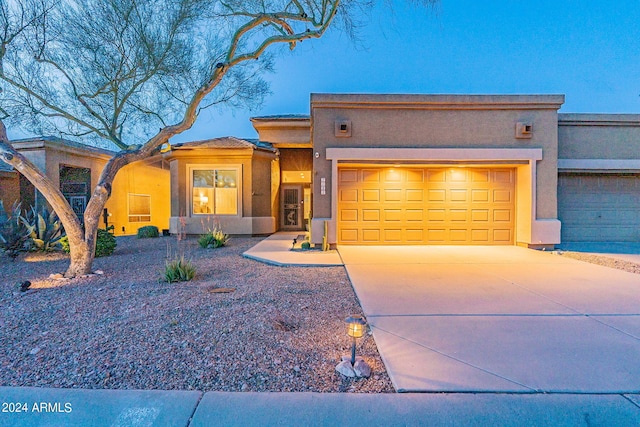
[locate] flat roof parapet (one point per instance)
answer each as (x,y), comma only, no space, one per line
(437,102)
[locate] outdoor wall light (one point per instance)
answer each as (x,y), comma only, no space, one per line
(355,329)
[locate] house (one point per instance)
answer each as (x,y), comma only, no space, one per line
(391,170)
(140,191)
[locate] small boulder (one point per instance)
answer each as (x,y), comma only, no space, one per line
(362,368)
(346,369)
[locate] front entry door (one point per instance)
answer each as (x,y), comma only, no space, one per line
(292,207)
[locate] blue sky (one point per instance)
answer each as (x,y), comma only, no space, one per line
(586,50)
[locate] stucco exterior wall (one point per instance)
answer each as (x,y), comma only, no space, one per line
(436,121)
(599,136)
(144,179)
(254,217)
(9,189)
(261,186)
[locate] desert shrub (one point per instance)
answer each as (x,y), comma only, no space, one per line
(148,231)
(46,229)
(178,270)
(305,245)
(64,244)
(213,239)
(14,234)
(105,243)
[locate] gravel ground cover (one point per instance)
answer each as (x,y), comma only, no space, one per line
(606,261)
(281,329)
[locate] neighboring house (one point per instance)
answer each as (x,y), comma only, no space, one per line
(140,191)
(395,170)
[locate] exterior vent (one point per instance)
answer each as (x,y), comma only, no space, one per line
(524,130)
(343,128)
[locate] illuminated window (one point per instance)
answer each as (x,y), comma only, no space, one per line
(139,208)
(215,191)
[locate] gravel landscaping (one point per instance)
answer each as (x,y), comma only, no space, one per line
(279,329)
(604,260)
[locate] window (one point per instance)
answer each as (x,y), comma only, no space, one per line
(139,208)
(215,191)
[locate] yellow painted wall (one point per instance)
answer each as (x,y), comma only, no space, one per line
(140,178)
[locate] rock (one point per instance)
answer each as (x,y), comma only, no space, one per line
(56,276)
(362,368)
(35,351)
(346,369)
(98,272)
(296,368)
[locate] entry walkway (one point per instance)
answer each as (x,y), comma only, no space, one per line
(498,319)
(276,250)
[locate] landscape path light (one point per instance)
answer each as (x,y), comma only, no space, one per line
(355,329)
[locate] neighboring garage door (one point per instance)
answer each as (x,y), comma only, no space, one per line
(599,207)
(438,206)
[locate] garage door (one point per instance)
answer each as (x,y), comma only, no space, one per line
(465,206)
(599,208)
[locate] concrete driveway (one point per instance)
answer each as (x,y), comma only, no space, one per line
(498,319)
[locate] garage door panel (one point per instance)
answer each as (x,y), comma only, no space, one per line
(502,235)
(599,207)
(502,196)
(480,215)
(350,195)
(393,235)
(394,195)
(393,215)
(480,236)
(371,235)
(480,196)
(371,195)
(501,215)
(370,175)
(437,195)
(480,175)
(414,215)
(458,235)
(426,206)
(369,215)
(415,196)
(348,215)
(458,215)
(349,235)
(458,195)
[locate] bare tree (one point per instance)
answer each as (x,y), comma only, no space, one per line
(130,74)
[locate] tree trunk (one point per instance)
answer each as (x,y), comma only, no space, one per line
(82,249)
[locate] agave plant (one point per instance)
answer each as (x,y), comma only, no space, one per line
(14,234)
(46,229)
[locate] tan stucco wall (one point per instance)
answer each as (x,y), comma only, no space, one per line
(437,121)
(296,159)
(283,131)
(599,136)
(261,185)
(9,189)
(255,217)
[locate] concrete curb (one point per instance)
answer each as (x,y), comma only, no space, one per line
(77,407)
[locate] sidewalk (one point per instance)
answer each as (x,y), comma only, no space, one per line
(120,408)
(276,250)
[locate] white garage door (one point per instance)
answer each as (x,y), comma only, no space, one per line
(394,205)
(599,207)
